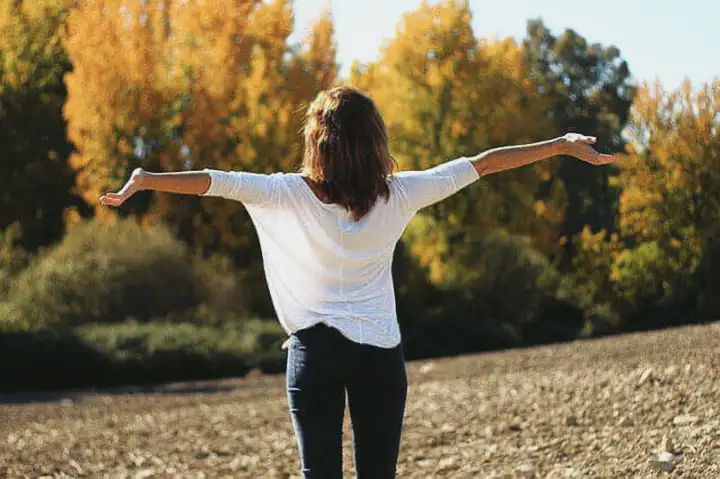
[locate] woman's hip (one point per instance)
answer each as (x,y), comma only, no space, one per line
(325,350)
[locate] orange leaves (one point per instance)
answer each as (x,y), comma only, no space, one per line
(173,84)
(112,90)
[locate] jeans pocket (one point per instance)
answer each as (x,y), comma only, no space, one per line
(297,359)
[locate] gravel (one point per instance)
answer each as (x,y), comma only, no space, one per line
(640,405)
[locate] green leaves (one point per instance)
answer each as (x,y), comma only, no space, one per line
(588,90)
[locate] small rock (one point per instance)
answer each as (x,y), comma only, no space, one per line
(625,421)
(427,368)
(571,473)
(525,471)
(447,464)
(645,376)
(684,419)
(144,473)
(667,444)
(571,420)
(564,473)
(515,426)
(447,427)
(664,461)
(235,464)
(76,466)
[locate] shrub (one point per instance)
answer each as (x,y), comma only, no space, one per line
(501,292)
(13,258)
(136,353)
(169,351)
(107,273)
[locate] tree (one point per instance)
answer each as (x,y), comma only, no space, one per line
(35,179)
(170,85)
(119,93)
(589,89)
(445,94)
(669,208)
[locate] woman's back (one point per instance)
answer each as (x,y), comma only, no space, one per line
(328,267)
(324,265)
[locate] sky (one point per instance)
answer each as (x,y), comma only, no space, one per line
(669,40)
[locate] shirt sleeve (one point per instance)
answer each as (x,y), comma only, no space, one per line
(426,187)
(248,188)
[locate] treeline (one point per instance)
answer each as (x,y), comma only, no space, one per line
(549,252)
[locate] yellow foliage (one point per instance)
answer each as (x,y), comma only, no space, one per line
(209,83)
(669,175)
(445,94)
(593,263)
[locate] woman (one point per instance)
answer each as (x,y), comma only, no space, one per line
(327,236)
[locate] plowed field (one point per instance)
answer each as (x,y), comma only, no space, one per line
(640,405)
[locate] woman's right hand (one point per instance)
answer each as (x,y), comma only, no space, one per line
(135,183)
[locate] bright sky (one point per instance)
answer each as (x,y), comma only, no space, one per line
(664,39)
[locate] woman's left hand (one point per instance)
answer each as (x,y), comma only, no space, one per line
(577,145)
(134,184)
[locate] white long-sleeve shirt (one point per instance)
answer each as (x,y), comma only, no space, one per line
(323,266)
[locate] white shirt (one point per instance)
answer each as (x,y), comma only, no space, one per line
(320,264)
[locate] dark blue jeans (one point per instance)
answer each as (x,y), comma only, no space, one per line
(323,365)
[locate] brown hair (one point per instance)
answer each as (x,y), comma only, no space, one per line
(346,150)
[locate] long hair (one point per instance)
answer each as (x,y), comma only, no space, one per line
(346,150)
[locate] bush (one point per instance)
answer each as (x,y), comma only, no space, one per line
(149,351)
(13,258)
(137,353)
(111,272)
(501,292)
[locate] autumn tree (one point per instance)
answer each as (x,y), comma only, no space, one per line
(669,208)
(445,94)
(171,85)
(35,178)
(119,93)
(588,89)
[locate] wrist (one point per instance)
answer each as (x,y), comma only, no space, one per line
(142,179)
(559,146)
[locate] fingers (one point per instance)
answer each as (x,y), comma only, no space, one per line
(112,199)
(579,138)
(600,159)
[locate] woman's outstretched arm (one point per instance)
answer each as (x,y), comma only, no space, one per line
(186,183)
(509,157)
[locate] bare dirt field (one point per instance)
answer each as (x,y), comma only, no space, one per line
(642,405)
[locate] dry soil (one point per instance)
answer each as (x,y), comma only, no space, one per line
(640,405)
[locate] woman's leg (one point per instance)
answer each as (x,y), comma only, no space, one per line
(316,396)
(376,393)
